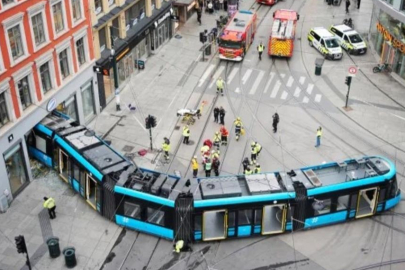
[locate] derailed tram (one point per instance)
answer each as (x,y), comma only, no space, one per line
(219,207)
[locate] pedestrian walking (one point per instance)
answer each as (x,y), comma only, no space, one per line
(257,168)
(347,6)
(222,115)
(253,152)
(186,134)
(224,135)
(248,171)
(260,49)
(238,127)
(215,165)
(258,149)
(49,203)
(216,114)
(358,4)
(199,14)
(216,6)
(318,137)
(276,119)
(220,86)
(245,163)
(208,167)
(166,147)
(217,140)
(194,165)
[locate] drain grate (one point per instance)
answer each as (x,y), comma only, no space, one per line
(127,148)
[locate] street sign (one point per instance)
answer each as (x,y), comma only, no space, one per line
(352,70)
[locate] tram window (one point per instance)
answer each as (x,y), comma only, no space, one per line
(231,219)
(321,206)
(40,144)
(132,210)
(381,197)
(394,188)
(155,216)
(76,171)
(353,201)
(290,211)
(197,222)
(258,216)
(343,202)
(244,217)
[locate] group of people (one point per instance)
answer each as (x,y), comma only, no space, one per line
(219,115)
(348,5)
(210,158)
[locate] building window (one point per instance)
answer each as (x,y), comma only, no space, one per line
(111,2)
(58,19)
(16,169)
(64,63)
(77,10)
(38,28)
(45,77)
(98,6)
(16,43)
(403,5)
(81,52)
(24,91)
(4,118)
(7,2)
(102,39)
(88,101)
(135,13)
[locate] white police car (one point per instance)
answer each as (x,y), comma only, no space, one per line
(349,39)
(325,42)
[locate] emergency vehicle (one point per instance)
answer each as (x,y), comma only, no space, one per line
(349,39)
(281,41)
(325,42)
(267,2)
(237,36)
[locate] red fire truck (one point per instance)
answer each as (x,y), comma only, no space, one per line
(281,42)
(237,36)
(267,2)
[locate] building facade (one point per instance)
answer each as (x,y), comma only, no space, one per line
(387,34)
(46,63)
(138,29)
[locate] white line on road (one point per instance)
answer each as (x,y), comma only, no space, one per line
(269,82)
(290,81)
(246,76)
(216,75)
(310,88)
(237,90)
(318,98)
(256,84)
(302,80)
(284,95)
(305,100)
(206,73)
(275,89)
(297,92)
(233,74)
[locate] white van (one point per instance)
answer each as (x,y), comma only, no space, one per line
(325,42)
(349,39)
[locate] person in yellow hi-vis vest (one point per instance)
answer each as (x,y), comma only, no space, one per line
(260,49)
(166,147)
(178,246)
(318,137)
(220,86)
(186,134)
(50,205)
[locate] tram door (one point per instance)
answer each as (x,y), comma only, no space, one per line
(274,218)
(91,191)
(214,225)
(64,165)
(367,202)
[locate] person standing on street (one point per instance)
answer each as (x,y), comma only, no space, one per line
(186,134)
(248,171)
(216,114)
(257,168)
(260,48)
(318,137)
(217,140)
(224,135)
(238,127)
(245,163)
(347,6)
(220,86)
(199,13)
(358,4)
(253,155)
(208,167)
(215,166)
(194,165)
(166,147)
(49,203)
(258,149)
(222,115)
(276,119)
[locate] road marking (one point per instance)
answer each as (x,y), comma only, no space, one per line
(282,75)
(206,73)
(297,92)
(246,76)
(256,84)
(275,89)
(302,80)
(318,98)
(216,75)
(233,74)
(290,81)
(269,82)
(310,88)
(284,95)
(237,90)
(305,100)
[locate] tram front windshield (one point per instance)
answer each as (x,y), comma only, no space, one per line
(230,44)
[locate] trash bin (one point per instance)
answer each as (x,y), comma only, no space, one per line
(141,64)
(318,66)
(70,257)
(53,247)
(208,49)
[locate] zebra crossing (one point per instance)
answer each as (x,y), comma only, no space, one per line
(275,86)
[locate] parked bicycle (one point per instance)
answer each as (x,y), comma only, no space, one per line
(384,67)
(349,22)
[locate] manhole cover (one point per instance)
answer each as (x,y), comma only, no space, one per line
(178,36)
(127,148)
(177,128)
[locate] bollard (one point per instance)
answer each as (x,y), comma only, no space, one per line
(208,49)
(53,247)
(70,257)
(318,66)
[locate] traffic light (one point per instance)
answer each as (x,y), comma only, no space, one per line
(20,244)
(152,121)
(348,80)
(147,123)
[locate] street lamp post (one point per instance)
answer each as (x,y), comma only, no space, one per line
(114,66)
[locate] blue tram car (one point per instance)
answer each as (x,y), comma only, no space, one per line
(215,208)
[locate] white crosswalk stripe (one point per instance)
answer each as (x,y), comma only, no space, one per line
(257,83)
(216,75)
(302,80)
(310,88)
(246,76)
(233,74)
(206,73)
(284,95)
(290,81)
(318,98)
(305,100)
(282,75)
(275,89)
(269,82)
(297,92)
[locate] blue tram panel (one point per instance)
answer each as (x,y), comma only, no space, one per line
(221,207)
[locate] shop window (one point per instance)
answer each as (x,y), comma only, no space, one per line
(343,202)
(132,210)
(88,101)
(64,63)
(45,75)
(155,216)
(321,206)
(58,17)
(24,92)
(16,170)
(102,39)
(68,107)
(4,117)
(244,217)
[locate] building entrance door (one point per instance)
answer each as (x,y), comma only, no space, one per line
(388,52)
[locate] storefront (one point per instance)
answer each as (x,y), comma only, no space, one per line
(16,168)
(387,35)
(184,9)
